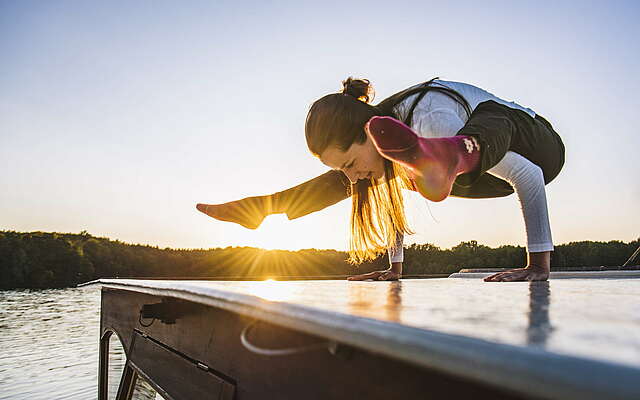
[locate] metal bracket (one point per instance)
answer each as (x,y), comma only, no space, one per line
(167,312)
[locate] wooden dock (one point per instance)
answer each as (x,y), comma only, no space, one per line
(572,338)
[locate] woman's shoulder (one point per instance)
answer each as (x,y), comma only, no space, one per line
(464,89)
(476,95)
(431,99)
(439,100)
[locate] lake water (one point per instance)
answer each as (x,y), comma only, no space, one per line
(49,344)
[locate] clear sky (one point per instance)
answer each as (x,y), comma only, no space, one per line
(118,117)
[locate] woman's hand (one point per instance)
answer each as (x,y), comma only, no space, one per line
(538,267)
(393,273)
(519,274)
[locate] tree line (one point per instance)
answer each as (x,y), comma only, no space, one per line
(50,260)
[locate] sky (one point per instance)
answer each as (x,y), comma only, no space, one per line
(118,117)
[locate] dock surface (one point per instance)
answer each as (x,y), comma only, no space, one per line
(576,335)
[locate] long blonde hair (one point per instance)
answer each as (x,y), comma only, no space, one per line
(377,212)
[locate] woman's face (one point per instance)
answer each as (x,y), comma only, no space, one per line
(360,161)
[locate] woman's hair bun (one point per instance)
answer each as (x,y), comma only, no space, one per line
(361,89)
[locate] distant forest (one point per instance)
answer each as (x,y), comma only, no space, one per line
(50,260)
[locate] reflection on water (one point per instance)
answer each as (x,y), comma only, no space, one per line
(539,328)
(393,305)
(366,298)
(49,344)
(384,300)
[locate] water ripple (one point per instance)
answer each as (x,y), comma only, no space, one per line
(49,341)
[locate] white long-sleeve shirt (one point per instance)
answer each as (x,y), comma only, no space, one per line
(438,115)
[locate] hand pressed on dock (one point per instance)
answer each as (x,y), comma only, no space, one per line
(392,274)
(519,274)
(386,275)
(537,269)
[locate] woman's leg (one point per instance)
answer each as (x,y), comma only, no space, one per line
(486,187)
(332,187)
(313,195)
(499,129)
(434,162)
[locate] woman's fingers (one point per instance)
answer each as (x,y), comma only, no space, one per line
(362,277)
(494,277)
(389,276)
(376,275)
(490,278)
(519,274)
(514,276)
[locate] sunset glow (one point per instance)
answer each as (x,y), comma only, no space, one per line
(119,120)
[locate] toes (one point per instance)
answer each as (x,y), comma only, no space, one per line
(208,209)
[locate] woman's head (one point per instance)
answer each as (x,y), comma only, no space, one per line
(360,161)
(335,131)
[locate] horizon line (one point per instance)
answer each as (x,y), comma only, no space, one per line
(83,232)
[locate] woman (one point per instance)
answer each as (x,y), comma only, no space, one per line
(456,139)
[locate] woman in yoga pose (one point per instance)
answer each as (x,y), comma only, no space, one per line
(439,138)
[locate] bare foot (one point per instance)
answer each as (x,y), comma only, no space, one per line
(519,274)
(248,212)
